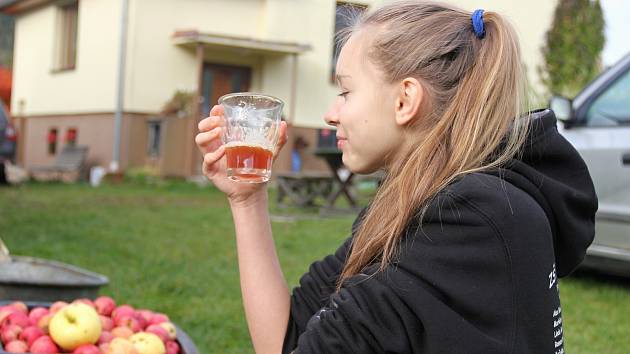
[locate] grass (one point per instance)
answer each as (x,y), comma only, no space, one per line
(171,248)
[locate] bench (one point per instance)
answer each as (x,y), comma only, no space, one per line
(69,166)
(303,188)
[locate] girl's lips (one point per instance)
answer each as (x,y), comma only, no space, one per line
(341,143)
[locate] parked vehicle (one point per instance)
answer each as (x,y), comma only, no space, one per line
(597,123)
(8,139)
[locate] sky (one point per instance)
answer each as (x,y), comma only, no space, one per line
(617,30)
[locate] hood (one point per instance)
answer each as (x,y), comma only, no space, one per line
(553,173)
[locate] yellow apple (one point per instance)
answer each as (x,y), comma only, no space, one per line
(170,328)
(148,343)
(120,346)
(75,325)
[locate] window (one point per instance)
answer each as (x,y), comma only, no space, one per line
(51,140)
(68,19)
(612,107)
(345,14)
(71,136)
(154,140)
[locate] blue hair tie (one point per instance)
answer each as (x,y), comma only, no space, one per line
(477,23)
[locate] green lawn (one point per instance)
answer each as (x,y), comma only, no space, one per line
(171,248)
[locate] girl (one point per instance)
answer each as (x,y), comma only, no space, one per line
(479,214)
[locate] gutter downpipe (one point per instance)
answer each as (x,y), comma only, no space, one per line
(122,52)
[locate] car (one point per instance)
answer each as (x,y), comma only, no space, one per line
(597,123)
(8,139)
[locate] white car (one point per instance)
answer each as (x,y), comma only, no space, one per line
(597,123)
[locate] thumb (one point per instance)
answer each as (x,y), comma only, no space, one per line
(284,137)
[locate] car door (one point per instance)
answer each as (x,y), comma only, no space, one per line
(602,137)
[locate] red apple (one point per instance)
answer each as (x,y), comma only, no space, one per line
(10,333)
(172,347)
(44,345)
(146,314)
(85,301)
(57,305)
(44,322)
(141,321)
(105,305)
(105,337)
(128,321)
(123,310)
(159,318)
(5,311)
(122,332)
(36,314)
(17,318)
(16,346)
(158,331)
(30,334)
(170,329)
(106,323)
(20,306)
(87,349)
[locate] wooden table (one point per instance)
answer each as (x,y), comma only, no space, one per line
(332,156)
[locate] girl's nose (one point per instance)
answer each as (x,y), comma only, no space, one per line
(330,117)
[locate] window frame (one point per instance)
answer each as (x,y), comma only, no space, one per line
(356,6)
(66,36)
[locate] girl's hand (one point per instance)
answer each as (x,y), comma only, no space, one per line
(214,161)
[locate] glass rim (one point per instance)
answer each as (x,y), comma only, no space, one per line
(250,94)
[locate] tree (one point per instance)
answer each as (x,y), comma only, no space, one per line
(572,52)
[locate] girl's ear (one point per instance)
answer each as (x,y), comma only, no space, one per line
(408,100)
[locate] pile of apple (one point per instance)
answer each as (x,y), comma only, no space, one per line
(86,327)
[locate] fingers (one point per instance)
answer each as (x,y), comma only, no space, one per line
(215,119)
(204,139)
(284,137)
(211,159)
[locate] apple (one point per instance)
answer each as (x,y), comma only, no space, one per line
(84,301)
(16,346)
(20,306)
(148,343)
(10,333)
(87,349)
(172,347)
(105,337)
(122,311)
(122,332)
(121,346)
(30,334)
(74,325)
(141,320)
(36,314)
(105,305)
(57,305)
(158,318)
(159,331)
(104,347)
(146,314)
(106,323)
(44,345)
(44,322)
(128,321)
(17,318)
(170,328)
(5,311)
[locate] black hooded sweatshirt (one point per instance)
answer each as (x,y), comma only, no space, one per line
(480,275)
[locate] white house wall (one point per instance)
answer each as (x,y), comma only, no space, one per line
(90,87)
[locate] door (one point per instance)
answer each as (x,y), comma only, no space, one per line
(604,143)
(219,80)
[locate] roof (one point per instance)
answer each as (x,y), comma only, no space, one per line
(16,7)
(191,38)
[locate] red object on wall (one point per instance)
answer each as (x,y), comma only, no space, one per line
(52,136)
(71,136)
(5,86)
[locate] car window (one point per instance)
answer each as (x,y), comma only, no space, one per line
(4,120)
(612,107)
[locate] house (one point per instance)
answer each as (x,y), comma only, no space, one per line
(100,72)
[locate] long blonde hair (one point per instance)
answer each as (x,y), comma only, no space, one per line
(470,122)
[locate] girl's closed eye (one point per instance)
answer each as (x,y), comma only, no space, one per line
(343,94)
